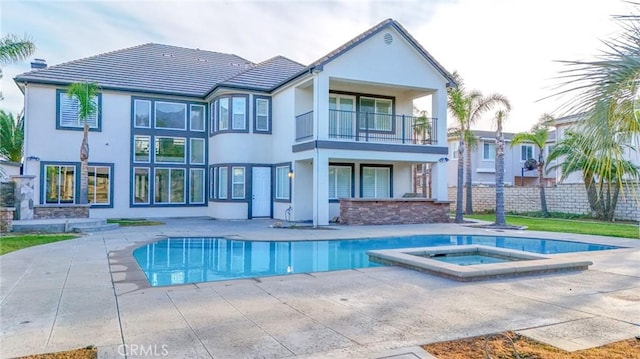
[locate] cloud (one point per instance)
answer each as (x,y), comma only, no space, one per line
(497,45)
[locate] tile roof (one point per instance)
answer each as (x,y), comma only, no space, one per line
(266,75)
(148,68)
(157,68)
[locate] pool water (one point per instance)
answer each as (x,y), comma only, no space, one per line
(463,259)
(192,260)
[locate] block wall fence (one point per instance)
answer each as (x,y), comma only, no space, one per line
(567,198)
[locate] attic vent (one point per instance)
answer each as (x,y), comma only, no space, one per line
(168,55)
(388,38)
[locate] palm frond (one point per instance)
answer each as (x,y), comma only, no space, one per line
(84,93)
(14,48)
(11,136)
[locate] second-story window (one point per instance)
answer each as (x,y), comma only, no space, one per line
(171,115)
(67,116)
(262,114)
(526,152)
(488,151)
(232,113)
(376,113)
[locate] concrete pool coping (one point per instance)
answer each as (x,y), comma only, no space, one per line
(129,274)
(526,263)
(69,294)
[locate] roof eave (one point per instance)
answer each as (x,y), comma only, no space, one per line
(25,80)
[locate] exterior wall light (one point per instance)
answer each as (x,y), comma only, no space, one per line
(290,174)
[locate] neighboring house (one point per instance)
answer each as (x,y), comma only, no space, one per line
(572,122)
(483,156)
(188,132)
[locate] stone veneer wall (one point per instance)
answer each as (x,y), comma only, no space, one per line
(62,211)
(393,211)
(567,198)
(6,219)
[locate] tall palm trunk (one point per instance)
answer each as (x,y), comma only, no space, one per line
(467,168)
(459,218)
(500,215)
(543,197)
(84,170)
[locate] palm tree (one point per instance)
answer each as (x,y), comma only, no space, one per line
(578,156)
(467,108)
(538,135)
(11,136)
(477,106)
(457,104)
(501,116)
(84,93)
(14,49)
(422,134)
(607,90)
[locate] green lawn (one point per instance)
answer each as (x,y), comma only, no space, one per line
(568,225)
(13,243)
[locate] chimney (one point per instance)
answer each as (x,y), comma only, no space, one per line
(38,64)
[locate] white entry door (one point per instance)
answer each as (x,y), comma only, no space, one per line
(261,192)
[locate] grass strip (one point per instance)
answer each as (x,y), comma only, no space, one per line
(568,225)
(15,242)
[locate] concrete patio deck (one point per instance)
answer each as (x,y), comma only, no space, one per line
(70,294)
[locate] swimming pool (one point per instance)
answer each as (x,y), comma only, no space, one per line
(191,260)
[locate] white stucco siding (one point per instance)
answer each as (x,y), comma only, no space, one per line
(240,148)
(284,127)
(110,145)
(228,210)
(398,63)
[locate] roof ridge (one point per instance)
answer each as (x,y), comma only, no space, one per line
(199,49)
(354,40)
(286,58)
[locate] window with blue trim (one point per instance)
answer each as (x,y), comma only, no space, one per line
(67,112)
(261,114)
(60,183)
(282,183)
(376,182)
(168,152)
(231,113)
(99,185)
(339,182)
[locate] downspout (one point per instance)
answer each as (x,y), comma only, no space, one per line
(25,140)
(316,158)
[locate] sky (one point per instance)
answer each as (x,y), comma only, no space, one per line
(498,46)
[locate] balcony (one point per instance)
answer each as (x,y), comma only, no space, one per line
(371,127)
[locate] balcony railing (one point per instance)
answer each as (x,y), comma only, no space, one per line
(379,127)
(371,127)
(304,126)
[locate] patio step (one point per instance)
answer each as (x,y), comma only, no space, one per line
(62,225)
(96,226)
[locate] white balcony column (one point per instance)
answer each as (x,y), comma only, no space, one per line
(439,181)
(321,106)
(439,106)
(320,189)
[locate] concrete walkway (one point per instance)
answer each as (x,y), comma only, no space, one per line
(84,292)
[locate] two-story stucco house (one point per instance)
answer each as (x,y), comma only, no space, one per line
(574,123)
(188,132)
(483,161)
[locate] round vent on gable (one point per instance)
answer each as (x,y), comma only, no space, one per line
(388,38)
